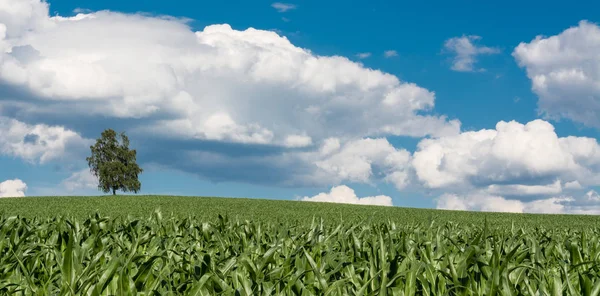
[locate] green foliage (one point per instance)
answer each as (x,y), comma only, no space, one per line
(114,164)
(170,255)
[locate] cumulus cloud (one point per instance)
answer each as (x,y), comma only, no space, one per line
(518,189)
(283,7)
(473,202)
(345,194)
(38,143)
(513,154)
(513,168)
(297,141)
(18,17)
(573,185)
(493,203)
(368,161)
(564,73)
(80,181)
(466,51)
(13,188)
(390,53)
(218,98)
(250,86)
(363,161)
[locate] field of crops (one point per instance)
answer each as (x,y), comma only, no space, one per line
(248,247)
(269,211)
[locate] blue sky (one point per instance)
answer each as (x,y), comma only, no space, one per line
(65,87)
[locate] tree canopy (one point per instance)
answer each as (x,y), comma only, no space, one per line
(114,164)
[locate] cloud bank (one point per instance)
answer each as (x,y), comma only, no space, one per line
(345,194)
(202,101)
(515,167)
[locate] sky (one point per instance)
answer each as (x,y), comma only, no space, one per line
(466,106)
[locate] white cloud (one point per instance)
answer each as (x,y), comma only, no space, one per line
(13,188)
(573,185)
(390,53)
(564,73)
(283,7)
(523,168)
(38,142)
(513,154)
(466,52)
(518,189)
(330,145)
(294,141)
(493,203)
(363,161)
(332,162)
(592,196)
(250,86)
(363,55)
(79,181)
(486,203)
(345,194)
(19,17)
(222,127)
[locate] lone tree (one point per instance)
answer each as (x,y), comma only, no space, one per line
(114,164)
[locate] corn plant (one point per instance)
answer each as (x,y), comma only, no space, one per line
(190,256)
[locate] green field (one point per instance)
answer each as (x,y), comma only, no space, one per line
(263,210)
(231,246)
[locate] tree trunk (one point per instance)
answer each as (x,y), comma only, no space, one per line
(114,191)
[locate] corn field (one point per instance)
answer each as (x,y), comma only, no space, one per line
(187,256)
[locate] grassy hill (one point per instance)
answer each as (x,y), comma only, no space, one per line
(262,210)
